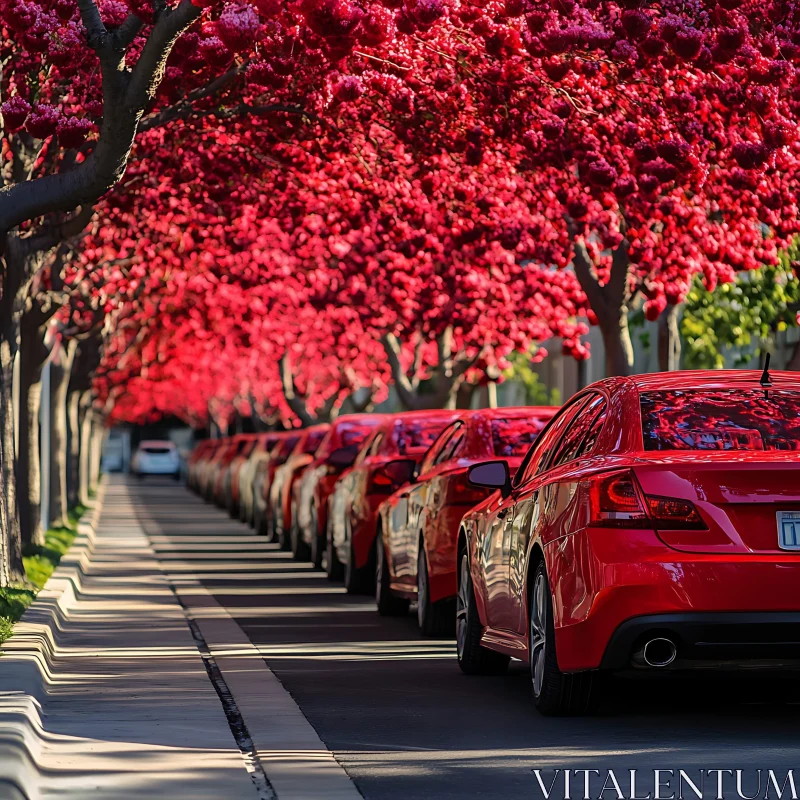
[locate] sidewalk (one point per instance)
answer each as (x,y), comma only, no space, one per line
(103,692)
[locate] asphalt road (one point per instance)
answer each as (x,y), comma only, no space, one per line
(405,723)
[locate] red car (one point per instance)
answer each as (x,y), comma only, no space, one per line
(240,443)
(262,480)
(655,524)
(337,453)
(198,460)
(419,525)
(281,489)
(386,462)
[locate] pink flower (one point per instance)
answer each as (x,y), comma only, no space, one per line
(15,111)
(42,121)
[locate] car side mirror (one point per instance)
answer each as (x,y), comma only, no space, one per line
(491,475)
(342,457)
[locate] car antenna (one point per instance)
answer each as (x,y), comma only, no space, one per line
(766,381)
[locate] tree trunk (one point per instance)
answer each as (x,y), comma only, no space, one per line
(98,435)
(11,568)
(669,340)
(609,302)
(59,382)
(33,354)
(73,447)
(616,341)
(28,458)
(86,448)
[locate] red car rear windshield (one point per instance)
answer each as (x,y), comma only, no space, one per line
(721,419)
(513,437)
(416,438)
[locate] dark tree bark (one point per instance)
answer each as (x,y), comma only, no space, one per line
(86,447)
(329,411)
(126,93)
(669,340)
(60,367)
(33,354)
(447,380)
(609,302)
(73,446)
(87,358)
(96,448)
(11,568)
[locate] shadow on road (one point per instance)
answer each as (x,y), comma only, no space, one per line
(401,717)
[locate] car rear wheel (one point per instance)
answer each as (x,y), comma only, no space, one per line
(555,693)
(300,550)
(389,604)
(435,619)
(473,657)
(333,568)
(317,542)
(357,580)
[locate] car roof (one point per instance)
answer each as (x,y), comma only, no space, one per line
(709,379)
(506,412)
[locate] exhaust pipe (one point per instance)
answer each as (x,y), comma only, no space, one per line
(658,652)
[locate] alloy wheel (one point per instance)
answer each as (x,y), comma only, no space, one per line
(538,633)
(462,604)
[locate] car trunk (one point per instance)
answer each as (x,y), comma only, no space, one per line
(743,498)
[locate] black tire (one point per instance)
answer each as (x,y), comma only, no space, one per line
(358,580)
(334,568)
(177,476)
(555,693)
(389,604)
(259,525)
(435,619)
(317,547)
(285,539)
(473,657)
(300,550)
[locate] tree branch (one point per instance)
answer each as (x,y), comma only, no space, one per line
(295,403)
(408,397)
(127,32)
(96,31)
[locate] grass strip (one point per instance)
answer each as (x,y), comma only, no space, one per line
(40,561)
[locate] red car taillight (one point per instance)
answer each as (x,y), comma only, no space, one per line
(616,501)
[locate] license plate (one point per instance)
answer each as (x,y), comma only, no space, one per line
(789,530)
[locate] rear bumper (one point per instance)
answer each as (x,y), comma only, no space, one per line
(730,639)
(608,584)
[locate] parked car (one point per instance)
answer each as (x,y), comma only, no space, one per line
(387,461)
(281,489)
(210,468)
(419,524)
(262,481)
(654,525)
(157,457)
(242,478)
(221,476)
(337,453)
(230,489)
(197,461)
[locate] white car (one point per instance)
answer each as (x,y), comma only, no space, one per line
(157,458)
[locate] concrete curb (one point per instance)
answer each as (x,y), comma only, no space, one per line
(24,678)
(295,760)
